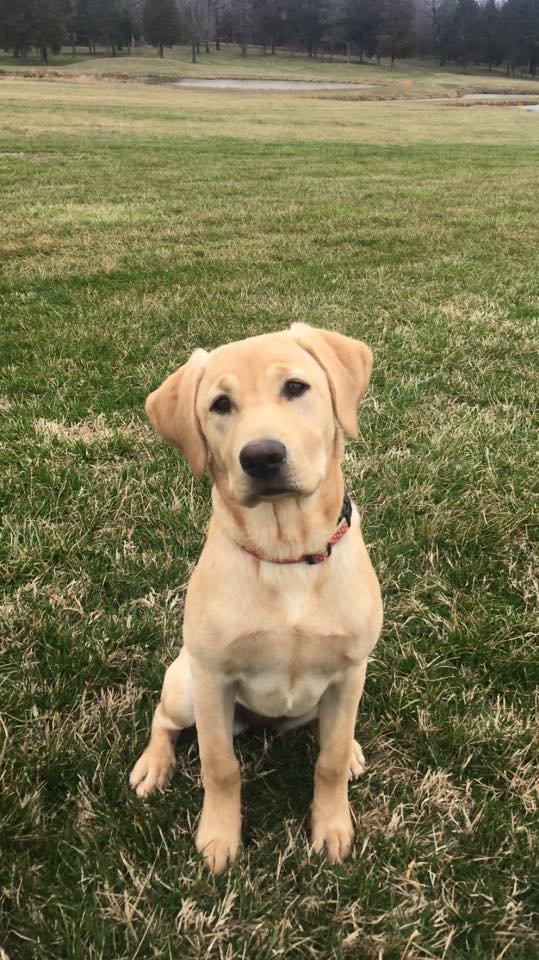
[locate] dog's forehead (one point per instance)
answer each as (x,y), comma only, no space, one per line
(257,357)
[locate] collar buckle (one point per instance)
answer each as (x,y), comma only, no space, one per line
(346,510)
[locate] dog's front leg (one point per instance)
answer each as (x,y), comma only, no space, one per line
(218,834)
(331,824)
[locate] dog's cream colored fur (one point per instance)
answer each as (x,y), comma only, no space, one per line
(287,641)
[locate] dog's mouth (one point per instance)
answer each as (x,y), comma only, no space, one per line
(271,493)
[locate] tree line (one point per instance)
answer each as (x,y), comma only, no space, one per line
(459,31)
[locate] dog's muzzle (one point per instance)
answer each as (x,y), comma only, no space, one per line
(263,459)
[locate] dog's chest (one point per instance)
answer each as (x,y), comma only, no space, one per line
(284,671)
(287,635)
(275,694)
(289,647)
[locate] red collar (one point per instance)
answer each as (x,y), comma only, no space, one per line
(311,558)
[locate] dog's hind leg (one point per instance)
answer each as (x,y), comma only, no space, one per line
(357,758)
(173,713)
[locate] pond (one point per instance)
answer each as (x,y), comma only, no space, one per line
(236,84)
(501,96)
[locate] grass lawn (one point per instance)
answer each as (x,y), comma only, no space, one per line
(137,223)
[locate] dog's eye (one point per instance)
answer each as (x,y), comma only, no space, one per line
(295,388)
(221,404)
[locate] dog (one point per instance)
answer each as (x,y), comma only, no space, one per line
(283,607)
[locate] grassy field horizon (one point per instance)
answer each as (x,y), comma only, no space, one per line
(140,221)
(408,78)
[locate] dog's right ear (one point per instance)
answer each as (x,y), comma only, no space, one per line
(347,364)
(172,410)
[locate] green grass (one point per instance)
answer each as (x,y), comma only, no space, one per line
(137,223)
(408,78)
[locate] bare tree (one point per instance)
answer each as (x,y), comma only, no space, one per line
(196,16)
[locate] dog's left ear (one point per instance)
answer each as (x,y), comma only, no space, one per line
(172,410)
(347,364)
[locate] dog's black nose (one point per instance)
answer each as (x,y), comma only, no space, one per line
(263,458)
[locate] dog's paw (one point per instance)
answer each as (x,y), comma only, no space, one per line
(333,838)
(357,762)
(218,841)
(153,769)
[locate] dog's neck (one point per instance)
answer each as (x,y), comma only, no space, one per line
(288,528)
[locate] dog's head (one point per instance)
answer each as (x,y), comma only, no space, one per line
(264,413)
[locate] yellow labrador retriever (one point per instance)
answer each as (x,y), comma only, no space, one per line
(284,606)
